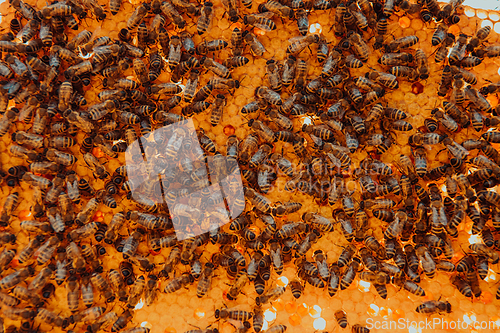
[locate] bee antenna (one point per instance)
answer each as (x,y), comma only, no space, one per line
(244,77)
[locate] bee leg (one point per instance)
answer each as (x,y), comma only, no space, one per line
(193,325)
(439,152)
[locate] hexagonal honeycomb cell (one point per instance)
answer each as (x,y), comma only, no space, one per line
(315,144)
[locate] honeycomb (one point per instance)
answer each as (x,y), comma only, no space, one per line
(314,310)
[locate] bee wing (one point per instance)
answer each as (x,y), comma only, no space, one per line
(262,27)
(87,4)
(230,4)
(456,3)
(341,149)
(449,120)
(216,79)
(260,45)
(275,255)
(90,160)
(297,39)
(400,167)
(461,148)
(267,15)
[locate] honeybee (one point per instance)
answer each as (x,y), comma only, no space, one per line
(87,315)
(122,321)
(178,282)
(210,46)
(13,279)
(272,72)
(298,44)
(80,120)
(205,20)
(103,322)
(151,290)
(477,99)
(87,211)
(480,36)
(462,285)
(439,34)
(72,187)
(356,328)
(360,47)
(215,67)
(458,50)
(280,9)
(6,257)
(136,291)
(55,220)
(350,273)
(131,243)
(118,284)
(341,318)
(74,254)
(60,157)
(401,43)
(302,21)
(51,318)
(187,6)
(205,280)
(445,120)
(236,42)
(27,252)
(270,295)
(10,204)
(269,96)
(404,71)
(47,250)
(114,8)
(137,16)
(217,109)
(18,314)
(482,249)
(233,314)
(447,12)
(261,20)
(23,294)
(35,226)
(7,237)
(385,79)
(255,45)
(61,264)
(191,86)
(428,263)
(7,120)
(94,164)
(408,285)
(29,139)
(73,293)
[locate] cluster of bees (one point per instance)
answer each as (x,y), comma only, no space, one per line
(302,129)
